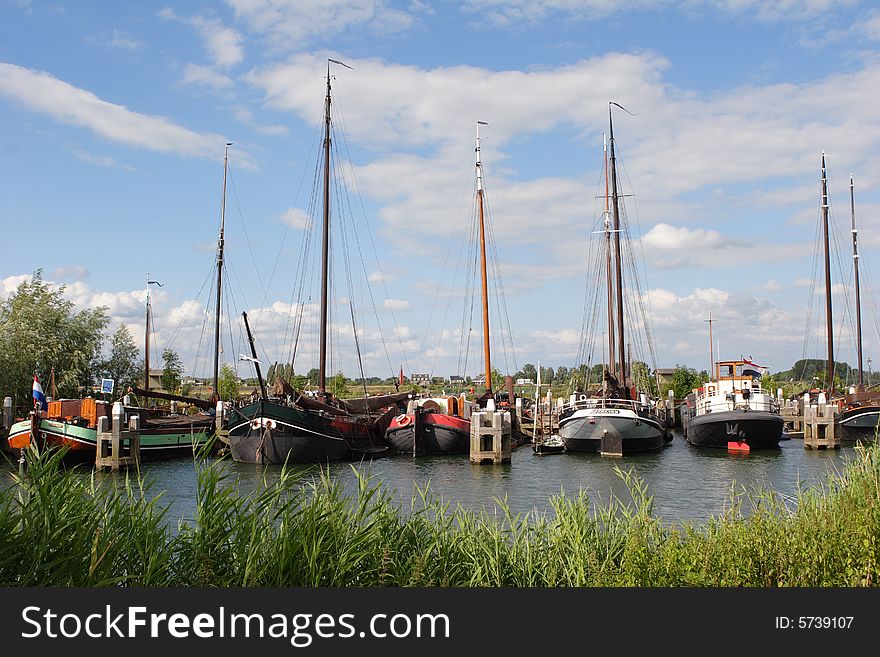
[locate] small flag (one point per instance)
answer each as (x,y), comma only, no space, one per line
(39,397)
(750,368)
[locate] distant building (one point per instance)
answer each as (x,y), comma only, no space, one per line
(421,379)
(455,379)
(155,379)
(665,375)
(525,382)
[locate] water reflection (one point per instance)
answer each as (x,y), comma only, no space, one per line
(687,483)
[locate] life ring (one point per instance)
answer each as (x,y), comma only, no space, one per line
(403,420)
(710,390)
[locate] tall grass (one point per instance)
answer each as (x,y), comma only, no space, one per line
(64,527)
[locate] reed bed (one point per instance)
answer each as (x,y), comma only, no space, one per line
(64,527)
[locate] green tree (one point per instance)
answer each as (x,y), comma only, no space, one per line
(339,385)
(172,372)
(123,365)
(41,330)
(642,377)
(227,382)
(684,380)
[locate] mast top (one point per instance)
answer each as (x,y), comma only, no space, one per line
(479,163)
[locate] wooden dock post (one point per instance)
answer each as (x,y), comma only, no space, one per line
(220,423)
(418,431)
(490,436)
(117,447)
(7,424)
(792,417)
(820,427)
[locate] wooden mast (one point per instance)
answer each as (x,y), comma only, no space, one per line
(149,313)
(829,324)
(711,351)
(220,243)
(608,274)
(617,260)
(486,351)
(325,248)
(855,245)
(147,342)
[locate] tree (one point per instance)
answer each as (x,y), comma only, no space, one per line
(339,385)
(684,380)
(227,382)
(529,372)
(172,372)
(40,330)
(641,376)
(123,365)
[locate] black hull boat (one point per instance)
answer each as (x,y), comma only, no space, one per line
(859,424)
(438,433)
(757,429)
(733,410)
(268,432)
(613,431)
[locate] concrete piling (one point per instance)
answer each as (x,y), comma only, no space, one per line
(7,423)
(820,426)
(490,437)
(118,446)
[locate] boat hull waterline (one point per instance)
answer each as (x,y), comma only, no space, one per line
(266,432)
(584,430)
(443,434)
(859,424)
(757,429)
(83,441)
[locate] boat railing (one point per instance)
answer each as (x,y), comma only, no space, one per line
(585,402)
(729,403)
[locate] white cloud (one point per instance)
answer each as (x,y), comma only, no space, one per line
(294,24)
(397,304)
(125,41)
(205,77)
(506,12)
(223,44)
(76,272)
(296,218)
(47,95)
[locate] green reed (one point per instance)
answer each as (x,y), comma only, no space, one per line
(70,527)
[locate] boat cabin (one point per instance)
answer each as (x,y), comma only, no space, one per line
(736,384)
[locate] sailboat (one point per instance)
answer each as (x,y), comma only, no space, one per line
(442,425)
(619,419)
(73,423)
(287,426)
(859,415)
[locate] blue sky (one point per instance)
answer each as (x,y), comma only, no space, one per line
(113,118)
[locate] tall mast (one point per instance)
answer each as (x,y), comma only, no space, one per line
(855,244)
(486,352)
(325,246)
(147,342)
(829,324)
(607,223)
(220,242)
(147,330)
(615,204)
(711,352)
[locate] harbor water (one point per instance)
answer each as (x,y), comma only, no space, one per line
(688,484)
